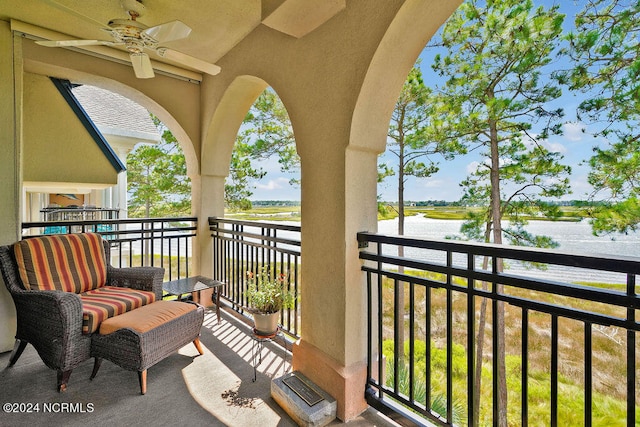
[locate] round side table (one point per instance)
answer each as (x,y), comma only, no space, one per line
(259,338)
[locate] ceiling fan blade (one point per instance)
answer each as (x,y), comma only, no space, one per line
(189,61)
(167,32)
(142,65)
(63,43)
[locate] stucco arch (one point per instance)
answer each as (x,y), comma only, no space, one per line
(193,166)
(72,66)
(223,129)
(404,40)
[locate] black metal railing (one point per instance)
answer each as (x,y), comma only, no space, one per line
(78,213)
(160,242)
(570,341)
(246,246)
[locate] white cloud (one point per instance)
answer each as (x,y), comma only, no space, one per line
(573,131)
(472,167)
(555,147)
(433,183)
(273,184)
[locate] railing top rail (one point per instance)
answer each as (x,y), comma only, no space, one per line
(79,209)
(225,233)
(614,263)
(260,224)
(107,221)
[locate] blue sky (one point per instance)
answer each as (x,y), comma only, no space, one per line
(576,146)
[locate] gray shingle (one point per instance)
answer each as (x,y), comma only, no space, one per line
(111,111)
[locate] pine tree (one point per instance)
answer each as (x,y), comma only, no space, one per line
(496,51)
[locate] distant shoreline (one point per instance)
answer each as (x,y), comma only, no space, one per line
(273,210)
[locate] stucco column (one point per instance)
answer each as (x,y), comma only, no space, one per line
(338,200)
(10,106)
(207,195)
(120,193)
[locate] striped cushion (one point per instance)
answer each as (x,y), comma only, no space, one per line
(65,262)
(108,301)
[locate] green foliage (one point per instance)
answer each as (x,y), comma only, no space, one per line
(621,217)
(266,131)
(493,93)
(438,359)
(385,211)
(605,50)
(409,142)
(267,291)
(158,184)
(495,51)
(237,187)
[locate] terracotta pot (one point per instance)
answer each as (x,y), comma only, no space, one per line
(266,324)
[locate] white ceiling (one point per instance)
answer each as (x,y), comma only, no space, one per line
(217,25)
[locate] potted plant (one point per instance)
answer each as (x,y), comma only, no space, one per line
(267,294)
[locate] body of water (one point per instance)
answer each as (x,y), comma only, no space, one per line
(573,237)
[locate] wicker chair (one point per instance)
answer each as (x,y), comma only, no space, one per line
(51,321)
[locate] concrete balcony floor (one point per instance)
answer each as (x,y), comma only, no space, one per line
(215,389)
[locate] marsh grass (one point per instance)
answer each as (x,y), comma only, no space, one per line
(292,213)
(608,355)
(267,213)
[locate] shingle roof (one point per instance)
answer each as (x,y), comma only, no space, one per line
(115,114)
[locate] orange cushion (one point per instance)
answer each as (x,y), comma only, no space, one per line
(148,317)
(65,262)
(101,304)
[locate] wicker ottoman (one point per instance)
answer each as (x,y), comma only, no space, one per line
(140,338)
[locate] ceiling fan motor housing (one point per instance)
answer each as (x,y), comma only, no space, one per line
(133,7)
(129,32)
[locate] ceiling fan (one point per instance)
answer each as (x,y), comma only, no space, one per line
(137,37)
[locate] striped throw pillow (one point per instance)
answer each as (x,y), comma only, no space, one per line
(65,262)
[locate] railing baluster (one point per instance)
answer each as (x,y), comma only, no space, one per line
(427,333)
(381,378)
(554,370)
(449,315)
(495,361)
(471,345)
(398,353)
(412,337)
(495,341)
(524,416)
(631,354)
(588,374)
(370,330)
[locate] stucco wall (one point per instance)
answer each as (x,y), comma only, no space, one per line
(56,144)
(9,177)
(349,70)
